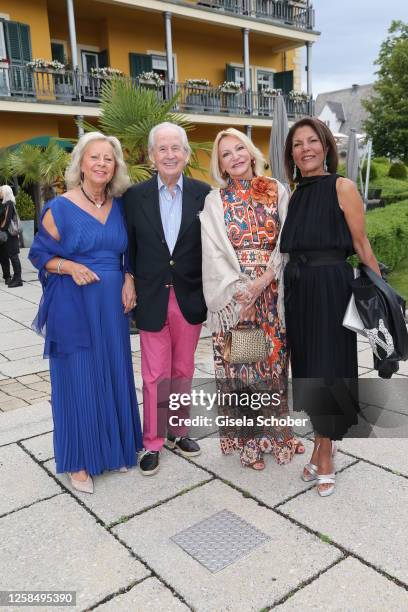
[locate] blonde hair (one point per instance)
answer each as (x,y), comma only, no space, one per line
(120,180)
(7,194)
(255,153)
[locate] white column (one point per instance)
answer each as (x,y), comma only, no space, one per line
(247,72)
(309,67)
(169,46)
(72,33)
(74,55)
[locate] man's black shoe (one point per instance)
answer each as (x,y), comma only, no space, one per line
(185,446)
(149,462)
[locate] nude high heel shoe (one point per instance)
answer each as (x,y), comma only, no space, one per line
(85,486)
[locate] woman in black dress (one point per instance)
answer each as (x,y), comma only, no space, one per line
(325,224)
(9,250)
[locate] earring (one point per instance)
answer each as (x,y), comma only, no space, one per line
(325,164)
(294,172)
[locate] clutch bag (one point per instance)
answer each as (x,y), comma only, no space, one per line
(245,345)
(352,319)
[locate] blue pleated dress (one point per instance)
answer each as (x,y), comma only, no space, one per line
(94,405)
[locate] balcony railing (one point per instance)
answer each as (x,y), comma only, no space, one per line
(72,87)
(289,13)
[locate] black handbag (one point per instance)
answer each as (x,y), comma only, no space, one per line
(3,237)
(381,311)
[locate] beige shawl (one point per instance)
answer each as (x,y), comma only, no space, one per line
(222,276)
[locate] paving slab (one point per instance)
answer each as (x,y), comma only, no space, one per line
(23,352)
(41,446)
(251,583)
(391,454)
(18,339)
(349,586)
(56,544)
(150,596)
(22,480)
(21,424)
(7,324)
(372,504)
(29,365)
(111,504)
(273,485)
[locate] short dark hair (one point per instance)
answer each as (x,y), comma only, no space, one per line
(324,135)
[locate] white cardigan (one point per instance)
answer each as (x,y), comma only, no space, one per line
(222,276)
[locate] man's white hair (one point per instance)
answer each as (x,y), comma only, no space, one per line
(168,125)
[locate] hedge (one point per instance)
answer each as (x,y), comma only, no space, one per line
(387,230)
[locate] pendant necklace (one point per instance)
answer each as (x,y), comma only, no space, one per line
(91,200)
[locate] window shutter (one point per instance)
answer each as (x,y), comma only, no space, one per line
(139,62)
(229,72)
(58,52)
(283,81)
(18,42)
(103,59)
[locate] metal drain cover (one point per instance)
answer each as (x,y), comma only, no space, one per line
(220,540)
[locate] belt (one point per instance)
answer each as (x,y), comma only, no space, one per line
(318,258)
(299,259)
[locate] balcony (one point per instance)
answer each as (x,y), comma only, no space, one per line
(294,14)
(20,83)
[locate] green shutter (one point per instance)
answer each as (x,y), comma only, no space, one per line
(18,42)
(229,72)
(58,52)
(139,62)
(103,59)
(283,81)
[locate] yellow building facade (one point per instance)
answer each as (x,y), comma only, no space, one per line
(256,44)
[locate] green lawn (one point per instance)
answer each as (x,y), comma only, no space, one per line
(389,186)
(399,278)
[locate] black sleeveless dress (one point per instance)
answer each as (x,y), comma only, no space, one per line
(317,291)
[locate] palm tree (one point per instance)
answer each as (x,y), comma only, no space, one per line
(129,113)
(41,167)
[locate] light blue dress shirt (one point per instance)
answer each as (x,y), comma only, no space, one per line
(170,211)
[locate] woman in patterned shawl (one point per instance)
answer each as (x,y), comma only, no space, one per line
(242,278)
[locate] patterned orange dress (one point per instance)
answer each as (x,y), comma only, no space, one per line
(252,223)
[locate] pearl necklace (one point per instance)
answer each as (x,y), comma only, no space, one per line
(93,201)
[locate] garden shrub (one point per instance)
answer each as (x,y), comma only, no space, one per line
(387,230)
(398,170)
(25,206)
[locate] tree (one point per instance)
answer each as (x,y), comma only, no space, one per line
(41,167)
(387,123)
(129,112)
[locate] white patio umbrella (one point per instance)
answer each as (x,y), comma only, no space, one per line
(352,161)
(279,133)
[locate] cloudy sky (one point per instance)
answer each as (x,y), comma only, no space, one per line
(351,35)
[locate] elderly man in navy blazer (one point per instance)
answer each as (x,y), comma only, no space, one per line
(165,255)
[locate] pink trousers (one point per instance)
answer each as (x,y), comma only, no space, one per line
(167,367)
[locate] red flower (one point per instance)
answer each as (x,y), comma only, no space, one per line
(264,190)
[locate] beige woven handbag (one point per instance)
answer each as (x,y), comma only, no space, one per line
(245,345)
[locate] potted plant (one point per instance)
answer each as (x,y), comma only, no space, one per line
(151,79)
(298,96)
(270,92)
(26,211)
(42,65)
(106,73)
(231,87)
(197,83)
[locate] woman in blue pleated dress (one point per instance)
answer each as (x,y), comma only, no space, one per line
(88,291)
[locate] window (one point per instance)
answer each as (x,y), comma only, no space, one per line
(18,42)
(265,79)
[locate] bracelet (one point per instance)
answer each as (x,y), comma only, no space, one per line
(59,265)
(130,274)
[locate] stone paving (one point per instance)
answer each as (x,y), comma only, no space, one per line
(346,552)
